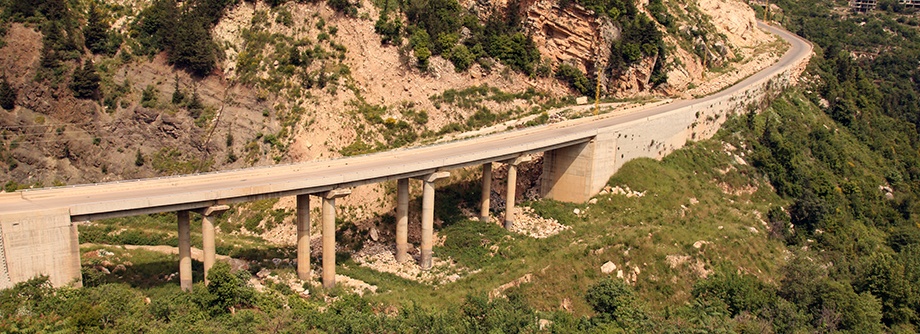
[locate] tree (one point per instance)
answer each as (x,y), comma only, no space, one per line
(85,84)
(227,288)
(192,47)
(7,94)
(97,37)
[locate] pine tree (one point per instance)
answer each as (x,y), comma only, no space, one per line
(85,84)
(96,31)
(7,95)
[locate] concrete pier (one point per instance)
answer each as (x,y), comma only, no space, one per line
(402,220)
(486,191)
(208,236)
(329,235)
(511,190)
(185,251)
(428,217)
(303,237)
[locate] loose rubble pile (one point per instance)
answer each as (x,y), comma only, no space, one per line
(526,222)
(624,190)
(381,257)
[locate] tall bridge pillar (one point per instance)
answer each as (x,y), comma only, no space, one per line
(428,217)
(185,251)
(511,189)
(208,236)
(303,237)
(402,220)
(486,192)
(329,234)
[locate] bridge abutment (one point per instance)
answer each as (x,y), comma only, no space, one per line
(575,173)
(39,243)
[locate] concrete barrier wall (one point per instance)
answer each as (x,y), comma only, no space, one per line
(39,244)
(576,173)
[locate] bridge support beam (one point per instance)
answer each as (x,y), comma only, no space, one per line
(486,192)
(329,234)
(303,237)
(185,251)
(511,190)
(208,242)
(428,217)
(402,220)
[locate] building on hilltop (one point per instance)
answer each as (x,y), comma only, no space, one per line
(863,6)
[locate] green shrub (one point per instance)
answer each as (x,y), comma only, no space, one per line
(575,79)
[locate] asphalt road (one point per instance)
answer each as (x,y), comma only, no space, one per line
(200,190)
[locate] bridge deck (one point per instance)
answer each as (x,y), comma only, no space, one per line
(134,197)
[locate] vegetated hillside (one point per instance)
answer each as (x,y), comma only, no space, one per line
(704,242)
(799,216)
(108,90)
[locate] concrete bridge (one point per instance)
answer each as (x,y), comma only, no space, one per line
(38,233)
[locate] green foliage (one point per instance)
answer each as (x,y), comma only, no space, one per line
(228,289)
(469,242)
(389,30)
(499,315)
(184,33)
(139,159)
(739,292)
(7,94)
(615,302)
(346,7)
(85,84)
(576,79)
(149,96)
(96,34)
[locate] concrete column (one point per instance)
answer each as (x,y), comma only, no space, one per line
(486,191)
(509,195)
(303,237)
(185,251)
(428,217)
(512,189)
(208,242)
(329,235)
(402,220)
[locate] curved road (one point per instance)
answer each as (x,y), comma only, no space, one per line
(126,198)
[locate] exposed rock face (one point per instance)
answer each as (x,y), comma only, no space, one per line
(633,80)
(570,35)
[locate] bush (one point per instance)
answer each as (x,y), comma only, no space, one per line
(614,301)
(228,289)
(742,293)
(575,79)
(389,30)
(462,58)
